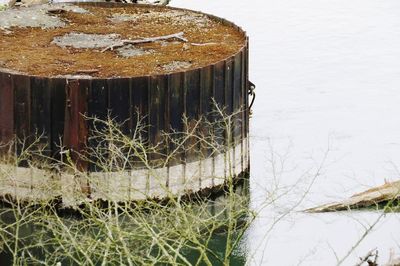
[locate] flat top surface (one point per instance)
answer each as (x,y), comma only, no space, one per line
(108,40)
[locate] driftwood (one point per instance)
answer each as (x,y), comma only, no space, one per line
(371,197)
(178,36)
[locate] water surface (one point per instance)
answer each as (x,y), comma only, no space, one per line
(328,85)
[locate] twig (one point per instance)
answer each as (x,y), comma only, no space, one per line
(366,257)
(121,43)
(203,44)
(376,257)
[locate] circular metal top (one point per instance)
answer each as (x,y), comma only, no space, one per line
(110,40)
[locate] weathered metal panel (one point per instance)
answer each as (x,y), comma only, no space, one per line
(22,109)
(41,113)
(176,111)
(157,110)
(246,100)
(97,109)
(219,97)
(246,87)
(58,102)
(158,125)
(119,102)
(75,127)
(243,91)
(192,112)
(207,105)
(6,108)
(140,110)
(237,98)
(228,87)
(228,111)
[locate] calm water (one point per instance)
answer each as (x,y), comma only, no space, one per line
(328,83)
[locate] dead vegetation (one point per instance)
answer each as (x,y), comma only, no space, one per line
(32,49)
(147,232)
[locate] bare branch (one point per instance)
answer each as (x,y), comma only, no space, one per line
(121,43)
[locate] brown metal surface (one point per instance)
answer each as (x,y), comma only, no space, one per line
(76,125)
(54,107)
(6,109)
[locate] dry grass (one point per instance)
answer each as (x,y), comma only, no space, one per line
(29,50)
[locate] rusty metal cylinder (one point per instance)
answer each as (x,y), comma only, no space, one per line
(56,108)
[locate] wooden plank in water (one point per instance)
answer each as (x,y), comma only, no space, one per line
(369,198)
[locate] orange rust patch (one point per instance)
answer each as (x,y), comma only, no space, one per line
(30,51)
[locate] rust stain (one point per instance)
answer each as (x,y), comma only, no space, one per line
(75,127)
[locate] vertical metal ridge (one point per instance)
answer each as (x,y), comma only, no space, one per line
(243,91)
(57,115)
(192,88)
(148,114)
(131,108)
(228,88)
(219,97)
(118,98)
(140,103)
(213,132)
(247,118)
(40,112)
(154,115)
(237,97)
(97,108)
(206,91)
(184,126)
(206,105)
(167,124)
(75,128)
(22,109)
(247,87)
(6,109)
(176,111)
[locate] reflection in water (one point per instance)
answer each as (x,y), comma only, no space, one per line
(46,237)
